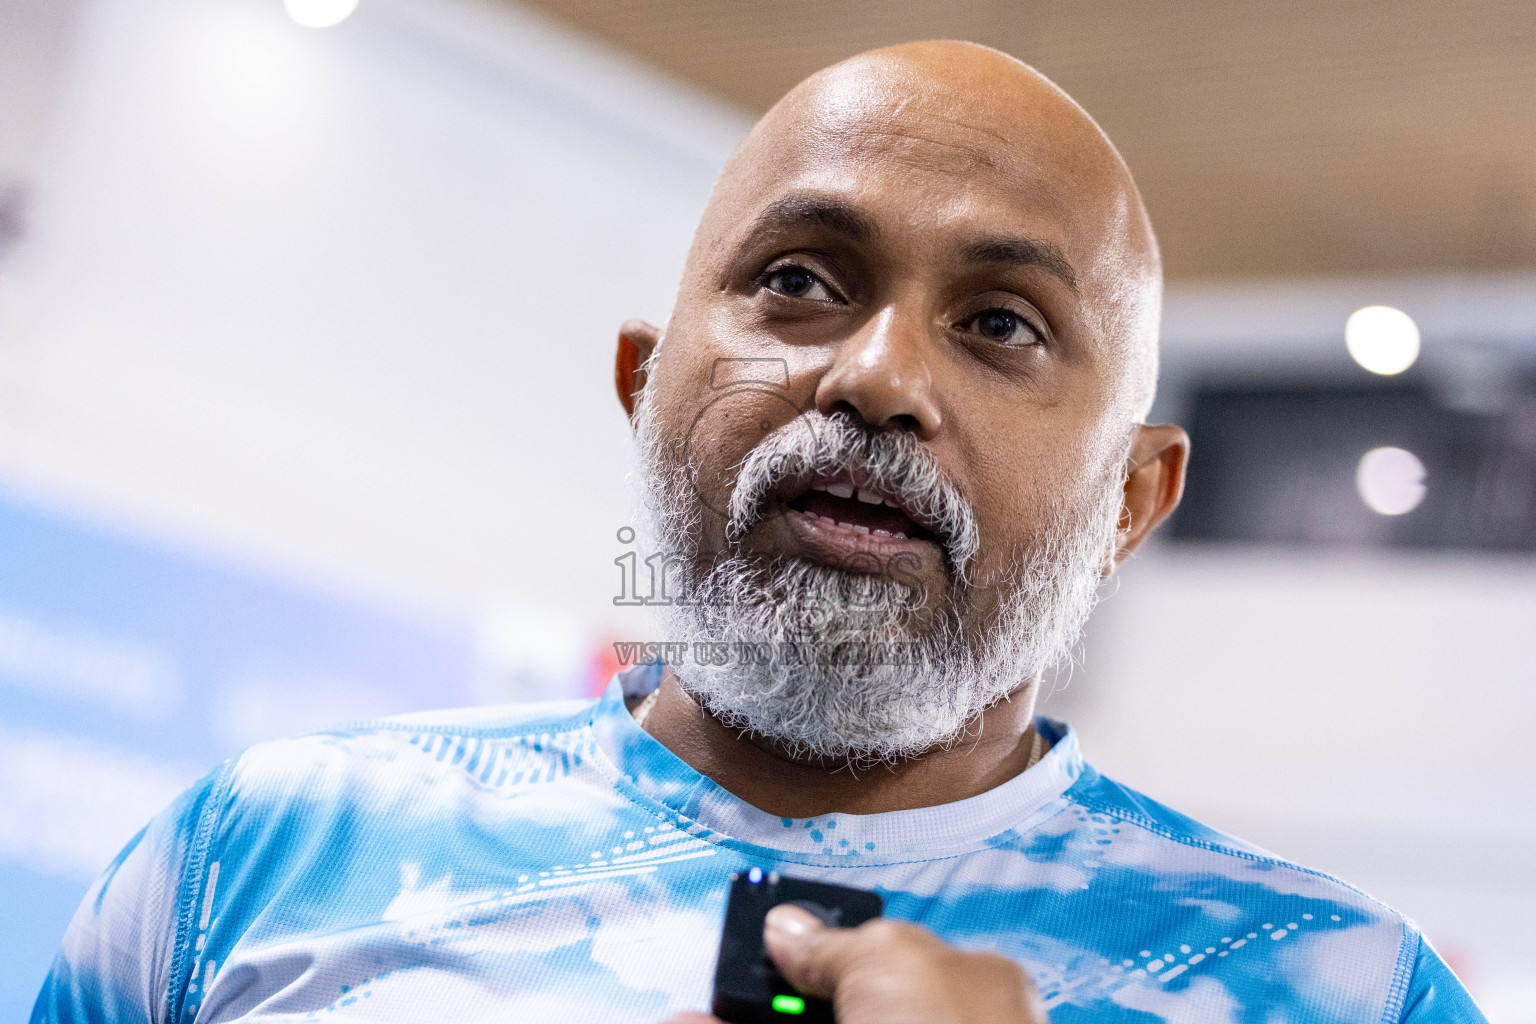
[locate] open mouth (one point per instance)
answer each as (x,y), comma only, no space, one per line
(842,503)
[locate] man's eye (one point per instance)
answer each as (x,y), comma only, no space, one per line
(1002,326)
(798,283)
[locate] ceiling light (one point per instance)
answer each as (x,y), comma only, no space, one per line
(319,13)
(1390,480)
(1382,339)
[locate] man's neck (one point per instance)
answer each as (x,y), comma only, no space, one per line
(994,750)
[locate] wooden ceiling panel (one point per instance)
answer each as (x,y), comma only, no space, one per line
(1268,139)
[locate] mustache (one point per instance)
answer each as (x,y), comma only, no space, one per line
(817,445)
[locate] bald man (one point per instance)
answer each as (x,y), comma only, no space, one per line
(890,441)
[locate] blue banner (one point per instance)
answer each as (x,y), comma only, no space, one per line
(128,669)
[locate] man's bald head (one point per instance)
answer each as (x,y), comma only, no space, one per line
(974,112)
(899,400)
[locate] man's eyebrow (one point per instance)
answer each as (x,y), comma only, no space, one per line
(1023,252)
(822,211)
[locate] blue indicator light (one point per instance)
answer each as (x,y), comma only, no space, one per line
(755,875)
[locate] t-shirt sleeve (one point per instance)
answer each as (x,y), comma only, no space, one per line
(1435,995)
(122,948)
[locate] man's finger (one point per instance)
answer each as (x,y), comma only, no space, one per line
(811,956)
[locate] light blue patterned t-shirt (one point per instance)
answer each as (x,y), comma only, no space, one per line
(555,864)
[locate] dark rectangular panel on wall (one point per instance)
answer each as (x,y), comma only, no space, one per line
(1290,464)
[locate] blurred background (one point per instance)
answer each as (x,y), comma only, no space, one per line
(306,322)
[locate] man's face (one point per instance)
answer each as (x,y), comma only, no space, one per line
(932,272)
(923,276)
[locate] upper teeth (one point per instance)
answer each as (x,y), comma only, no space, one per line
(847,491)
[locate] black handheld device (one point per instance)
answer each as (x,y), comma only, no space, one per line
(748,988)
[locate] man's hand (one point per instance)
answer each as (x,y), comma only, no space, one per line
(890,972)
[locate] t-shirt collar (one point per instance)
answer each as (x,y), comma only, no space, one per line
(650,772)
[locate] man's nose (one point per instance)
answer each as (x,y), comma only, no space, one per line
(882,374)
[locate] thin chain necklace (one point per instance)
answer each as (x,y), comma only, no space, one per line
(643,709)
(1036,750)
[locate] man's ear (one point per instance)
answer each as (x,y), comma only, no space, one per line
(637,340)
(1154,483)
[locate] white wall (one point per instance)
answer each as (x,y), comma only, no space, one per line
(32,36)
(348,297)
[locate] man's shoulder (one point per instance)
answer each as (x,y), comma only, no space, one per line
(348,809)
(483,745)
(1100,794)
(489,719)
(1172,900)
(1169,843)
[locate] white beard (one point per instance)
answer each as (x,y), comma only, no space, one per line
(846,697)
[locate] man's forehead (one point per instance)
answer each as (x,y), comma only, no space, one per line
(891,190)
(915,152)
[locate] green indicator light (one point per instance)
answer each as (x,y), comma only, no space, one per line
(789,1004)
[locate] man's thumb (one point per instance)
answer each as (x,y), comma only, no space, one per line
(804,950)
